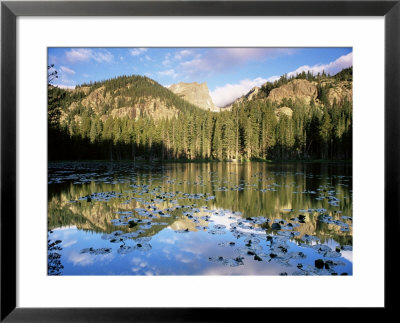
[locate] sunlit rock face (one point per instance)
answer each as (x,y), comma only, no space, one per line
(284,111)
(295,89)
(340,92)
(195,93)
(150,105)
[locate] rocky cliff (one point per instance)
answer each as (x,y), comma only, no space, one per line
(296,89)
(304,90)
(341,91)
(133,97)
(153,107)
(195,93)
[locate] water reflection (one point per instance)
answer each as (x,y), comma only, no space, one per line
(196,219)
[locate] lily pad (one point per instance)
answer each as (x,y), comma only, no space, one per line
(219,226)
(321,248)
(332,254)
(130,235)
(99,251)
(182,231)
(143,239)
(111,235)
(251,240)
(217,231)
(142,246)
(230,262)
(123,250)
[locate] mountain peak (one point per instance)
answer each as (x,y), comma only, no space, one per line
(195,93)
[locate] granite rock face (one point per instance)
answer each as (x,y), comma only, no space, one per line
(299,89)
(283,111)
(343,91)
(296,89)
(195,93)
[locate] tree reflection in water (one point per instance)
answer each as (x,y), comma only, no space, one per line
(310,204)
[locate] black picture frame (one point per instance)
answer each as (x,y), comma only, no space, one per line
(10,10)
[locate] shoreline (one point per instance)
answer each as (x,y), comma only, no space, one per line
(180,161)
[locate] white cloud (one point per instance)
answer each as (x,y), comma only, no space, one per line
(103,57)
(64,79)
(137,51)
(69,243)
(183,53)
(239,55)
(170,72)
(78,54)
(80,259)
(86,54)
(64,86)
(221,59)
(330,68)
(67,70)
(194,63)
(166,62)
(148,57)
(226,94)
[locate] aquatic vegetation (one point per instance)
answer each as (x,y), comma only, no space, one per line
(182,231)
(99,251)
(217,231)
(211,219)
(230,262)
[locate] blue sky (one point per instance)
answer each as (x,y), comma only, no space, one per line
(229,72)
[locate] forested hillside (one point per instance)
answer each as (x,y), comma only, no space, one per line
(130,117)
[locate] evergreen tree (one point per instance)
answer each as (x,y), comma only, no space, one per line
(251,129)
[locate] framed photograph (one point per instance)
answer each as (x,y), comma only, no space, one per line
(187,160)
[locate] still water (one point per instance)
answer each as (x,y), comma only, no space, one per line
(229,218)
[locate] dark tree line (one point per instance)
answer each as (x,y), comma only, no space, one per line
(251,130)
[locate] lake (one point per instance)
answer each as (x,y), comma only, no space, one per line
(218,218)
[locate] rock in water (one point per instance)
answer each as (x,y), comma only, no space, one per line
(319,263)
(258,258)
(276,226)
